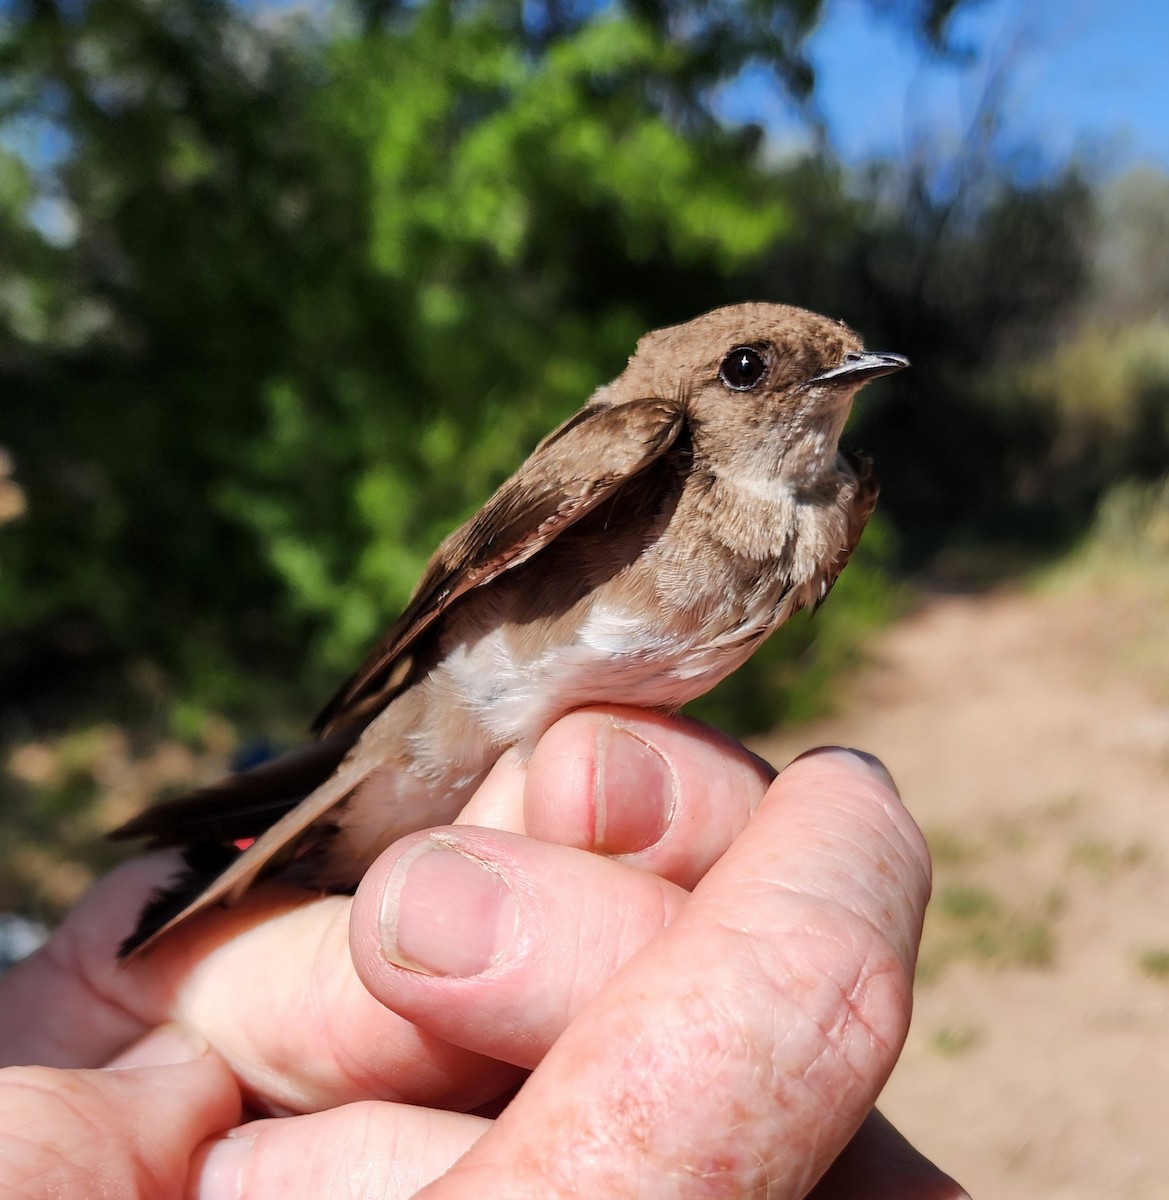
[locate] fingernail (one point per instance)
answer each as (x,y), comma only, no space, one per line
(871,763)
(220,1174)
(445,913)
(634,792)
(166,1046)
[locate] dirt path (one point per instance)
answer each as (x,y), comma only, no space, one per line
(1030,736)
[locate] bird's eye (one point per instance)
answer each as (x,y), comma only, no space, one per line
(742,369)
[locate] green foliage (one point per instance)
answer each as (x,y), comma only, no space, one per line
(1102,394)
(287,297)
(480,160)
(1130,267)
(1132,523)
(342,282)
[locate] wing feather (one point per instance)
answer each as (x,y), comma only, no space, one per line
(196,890)
(574,469)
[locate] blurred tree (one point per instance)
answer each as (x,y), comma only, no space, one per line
(1131,268)
(964,282)
(1102,390)
(291,295)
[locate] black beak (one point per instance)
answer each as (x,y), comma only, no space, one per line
(859,367)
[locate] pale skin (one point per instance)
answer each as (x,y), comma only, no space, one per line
(706,972)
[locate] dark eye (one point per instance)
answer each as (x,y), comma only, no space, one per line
(742,369)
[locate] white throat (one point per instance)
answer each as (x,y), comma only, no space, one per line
(769,486)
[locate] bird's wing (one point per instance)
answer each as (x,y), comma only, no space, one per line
(573,470)
(570,472)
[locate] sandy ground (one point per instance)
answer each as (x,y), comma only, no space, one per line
(1029,733)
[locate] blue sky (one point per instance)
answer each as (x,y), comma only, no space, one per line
(1084,78)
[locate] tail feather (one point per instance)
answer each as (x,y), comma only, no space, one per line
(240,806)
(202,865)
(208,824)
(219,873)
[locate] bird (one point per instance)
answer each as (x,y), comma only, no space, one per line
(640,554)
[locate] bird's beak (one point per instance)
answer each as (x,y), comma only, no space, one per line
(859,367)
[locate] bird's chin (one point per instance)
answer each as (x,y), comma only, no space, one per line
(812,454)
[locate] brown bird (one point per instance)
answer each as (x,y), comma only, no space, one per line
(641,553)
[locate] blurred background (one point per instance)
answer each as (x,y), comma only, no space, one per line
(287,288)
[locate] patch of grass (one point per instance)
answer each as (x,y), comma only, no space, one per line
(1060,808)
(1104,859)
(970,923)
(1054,903)
(1017,835)
(1154,962)
(954,1041)
(60,794)
(948,848)
(1033,945)
(967,903)
(1125,549)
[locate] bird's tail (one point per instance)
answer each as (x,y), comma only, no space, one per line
(214,825)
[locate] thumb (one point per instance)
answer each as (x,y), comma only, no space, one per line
(126,1130)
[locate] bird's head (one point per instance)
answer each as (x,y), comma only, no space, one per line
(767,388)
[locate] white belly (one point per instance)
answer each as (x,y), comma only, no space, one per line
(481,700)
(615,658)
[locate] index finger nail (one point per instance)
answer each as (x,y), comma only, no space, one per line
(634,791)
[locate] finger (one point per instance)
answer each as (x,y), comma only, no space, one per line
(275,990)
(495,941)
(391,1151)
(269,983)
(741,1049)
(281,1001)
(73,978)
(239,996)
(666,793)
(126,1132)
(879,1164)
(368,1149)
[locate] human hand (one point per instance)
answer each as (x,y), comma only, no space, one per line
(270,985)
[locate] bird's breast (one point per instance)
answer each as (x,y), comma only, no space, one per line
(651,617)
